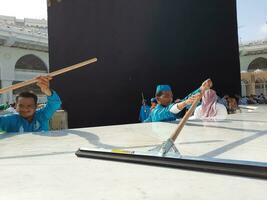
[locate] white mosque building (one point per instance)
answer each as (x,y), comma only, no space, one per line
(23,53)
(253,63)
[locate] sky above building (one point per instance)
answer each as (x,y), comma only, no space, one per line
(36,9)
(252,19)
(251,14)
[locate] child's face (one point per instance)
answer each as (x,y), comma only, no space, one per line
(166,98)
(153,104)
(26,107)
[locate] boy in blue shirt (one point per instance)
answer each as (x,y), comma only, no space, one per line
(28,118)
(168,111)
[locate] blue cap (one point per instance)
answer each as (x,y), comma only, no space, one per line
(163,88)
(153,100)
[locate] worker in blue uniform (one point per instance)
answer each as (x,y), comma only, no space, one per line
(28,118)
(168,111)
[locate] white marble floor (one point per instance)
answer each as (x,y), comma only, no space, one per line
(44,166)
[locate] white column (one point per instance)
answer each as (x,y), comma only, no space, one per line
(243,89)
(253,89)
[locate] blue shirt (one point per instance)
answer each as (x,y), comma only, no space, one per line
(144,112)
(16,123)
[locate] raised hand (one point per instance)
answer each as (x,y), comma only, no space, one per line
(207,84)
(43,84)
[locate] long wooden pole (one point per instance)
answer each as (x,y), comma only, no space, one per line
(184,119)
(52,74)
(207,83)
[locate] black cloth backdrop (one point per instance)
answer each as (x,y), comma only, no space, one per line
(139,44)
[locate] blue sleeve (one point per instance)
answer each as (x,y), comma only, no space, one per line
(53,103)
(192,93)
(149,119)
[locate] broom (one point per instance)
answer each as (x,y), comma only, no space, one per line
(55,73)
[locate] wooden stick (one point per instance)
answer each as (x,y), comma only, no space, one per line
(206,84)
(55,73)
(184,120)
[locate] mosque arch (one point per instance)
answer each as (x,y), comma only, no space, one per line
(32,63)
(259,63)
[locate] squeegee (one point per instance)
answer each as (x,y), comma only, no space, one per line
(167,155)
